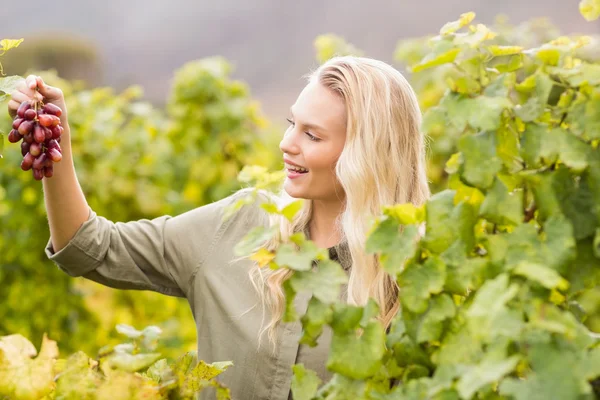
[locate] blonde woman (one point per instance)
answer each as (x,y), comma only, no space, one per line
(353,145)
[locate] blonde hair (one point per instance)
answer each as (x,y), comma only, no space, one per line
(382,163)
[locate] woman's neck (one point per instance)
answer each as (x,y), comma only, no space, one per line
(322,225)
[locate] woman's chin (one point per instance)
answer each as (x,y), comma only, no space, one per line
(293,189)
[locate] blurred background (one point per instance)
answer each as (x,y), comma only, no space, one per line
(169,100)
(269,43)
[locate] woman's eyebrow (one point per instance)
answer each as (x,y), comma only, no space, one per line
(309,125)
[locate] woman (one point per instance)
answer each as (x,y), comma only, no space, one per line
(352,146)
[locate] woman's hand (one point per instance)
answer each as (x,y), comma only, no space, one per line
(34,89)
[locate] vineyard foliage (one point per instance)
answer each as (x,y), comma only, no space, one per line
(127,371)
(500,297)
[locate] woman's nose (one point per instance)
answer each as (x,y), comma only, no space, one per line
(288,143)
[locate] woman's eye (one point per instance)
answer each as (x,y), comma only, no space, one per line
(311,137)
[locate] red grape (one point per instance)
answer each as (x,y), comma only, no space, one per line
(35,149)
(39,161)
(40,128)
(26,127)
(24,148)
(27,162)
(52,109)
(17,122)
(30,114)
(54,154)
(48,171)
(47,133)
(26,105)
(38,134)
(38,174)
(14,136)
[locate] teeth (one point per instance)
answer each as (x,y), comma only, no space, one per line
(294,168)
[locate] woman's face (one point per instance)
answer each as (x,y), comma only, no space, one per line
(314,141)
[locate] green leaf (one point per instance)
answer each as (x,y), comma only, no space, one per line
(21,375)
(576,201)
(485,112)
(541,146)
(132,362)
(489,309)
(481,163)
(556,374)
(317,315)
(291,209)
(128,331)
(501,206)
(488,371)
(417,282)
(462,274)
(395,248)
(536,104)
(255,238)
(545,198)
(590,9)
(436,60)
(440,308)
(324,282)
(7,44)
(357,357)
(346,317)
(545,276)
(582,117)
(451,27)
(204,372)
(290,314)
(9,83)
(297,259)
(446,223)
(304,383)
(405,214)
(504,50)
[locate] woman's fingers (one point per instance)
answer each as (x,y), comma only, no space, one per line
(12,108)
(31,82)
(19,96)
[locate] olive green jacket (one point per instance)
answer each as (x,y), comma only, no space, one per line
(191,256)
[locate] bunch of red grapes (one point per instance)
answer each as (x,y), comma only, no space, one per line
(39,126)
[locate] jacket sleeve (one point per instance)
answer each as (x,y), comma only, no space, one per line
(159,254)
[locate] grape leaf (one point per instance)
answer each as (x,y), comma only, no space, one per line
(440,308)
(501,206)
(316,316)
(304,383)
(21,375)
(547,277)
(297,259)
(357,357)
(481,163)
(324,281)
(395,248)
(131,362)
(488,371)
(9,83)
(451,27)
(417,282)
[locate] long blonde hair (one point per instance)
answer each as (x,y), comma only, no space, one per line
(383,163)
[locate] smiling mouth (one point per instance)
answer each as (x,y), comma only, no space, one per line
(293,168)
